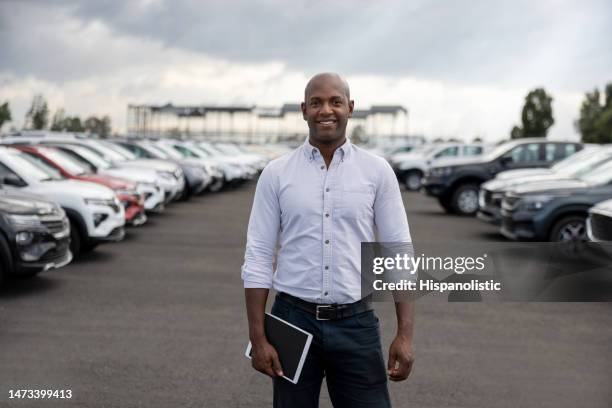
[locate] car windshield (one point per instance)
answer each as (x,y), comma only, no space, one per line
(170,151)
(23,163)
(120,150)
(65,161)
(574,158)
(89,155)
(599,175)
(498,151)
(106,152)
(585,165)
(210,149)
(198,150)
(228,149)
(155,151)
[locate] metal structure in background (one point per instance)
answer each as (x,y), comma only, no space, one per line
(255,124)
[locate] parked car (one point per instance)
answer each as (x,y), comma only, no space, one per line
(456,185)
(132,201)
(492,192)
(176,149)
(35,235)
(96,215)
(234,168)
(167,175)
(569,161)
(145,179)
(196,177)
(555,210)
(411,167)
(599,222)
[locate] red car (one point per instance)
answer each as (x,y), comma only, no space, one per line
(69,167)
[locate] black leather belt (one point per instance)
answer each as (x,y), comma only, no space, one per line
(328,311)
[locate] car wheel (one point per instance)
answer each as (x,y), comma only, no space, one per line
(5,260)
(569,229)
(216,185)
(465,199)
(76,240)
(412,180)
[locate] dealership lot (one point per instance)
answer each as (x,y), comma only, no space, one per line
(159,321)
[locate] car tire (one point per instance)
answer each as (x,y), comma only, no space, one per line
(88,247)
(465,199)
(6,261)
(76,239)
(412,180)
(569,229)
(216,185)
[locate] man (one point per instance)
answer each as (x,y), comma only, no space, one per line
(317,204)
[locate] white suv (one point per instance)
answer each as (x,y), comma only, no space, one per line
(94,211)
(411,167)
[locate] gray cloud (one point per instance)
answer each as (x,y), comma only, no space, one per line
(472,42)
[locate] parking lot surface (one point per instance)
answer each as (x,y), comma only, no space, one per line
(159,320)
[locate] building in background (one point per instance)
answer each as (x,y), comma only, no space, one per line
(257,124)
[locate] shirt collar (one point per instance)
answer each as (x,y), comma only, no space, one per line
(310,151)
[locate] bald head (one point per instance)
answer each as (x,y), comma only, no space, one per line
(327,78)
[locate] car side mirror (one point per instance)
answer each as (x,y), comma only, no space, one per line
(13,180)
(505,160)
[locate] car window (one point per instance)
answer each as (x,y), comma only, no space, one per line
(448,152)
(184,151)
(525,153)
(472,150)
(65,161)
(6,172)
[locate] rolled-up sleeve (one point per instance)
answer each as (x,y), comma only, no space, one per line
(262,234)
(389,212)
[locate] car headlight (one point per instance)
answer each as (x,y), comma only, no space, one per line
(536,202)
(125,192)
(23,221)
(166,174)
(99,202)
(441,171)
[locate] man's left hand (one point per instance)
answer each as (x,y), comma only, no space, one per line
(401,358)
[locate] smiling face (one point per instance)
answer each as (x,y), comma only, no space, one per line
(326,109)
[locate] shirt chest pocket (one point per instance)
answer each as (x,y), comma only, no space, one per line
(355,203)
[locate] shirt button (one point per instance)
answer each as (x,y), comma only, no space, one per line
(327,190)
(327,241)
(326,267)
(327,215)
(322,167)
(325,294)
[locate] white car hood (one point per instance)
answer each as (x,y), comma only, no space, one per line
(55,189)
(161,165)
(510,174)
(138,174)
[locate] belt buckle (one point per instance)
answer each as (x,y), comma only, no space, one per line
(322,307)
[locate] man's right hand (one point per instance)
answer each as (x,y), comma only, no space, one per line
(265,359)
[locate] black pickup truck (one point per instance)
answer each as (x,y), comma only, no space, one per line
(456,184)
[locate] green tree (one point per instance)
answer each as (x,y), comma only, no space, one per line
(516,132)
(590,111)
(73,124)
(5,114)
(595,120)
(99,126)
(536,116)
(38,115)
(58,121)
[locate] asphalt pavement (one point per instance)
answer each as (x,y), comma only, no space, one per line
(159,321)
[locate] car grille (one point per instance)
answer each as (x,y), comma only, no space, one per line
(601,227)
(55,225)
(510,202)
(487,196)
(55,254)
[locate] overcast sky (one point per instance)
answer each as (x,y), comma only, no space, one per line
(461,68)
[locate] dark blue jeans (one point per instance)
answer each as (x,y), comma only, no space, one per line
(347,352)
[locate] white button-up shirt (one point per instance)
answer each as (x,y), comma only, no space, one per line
(318,217)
